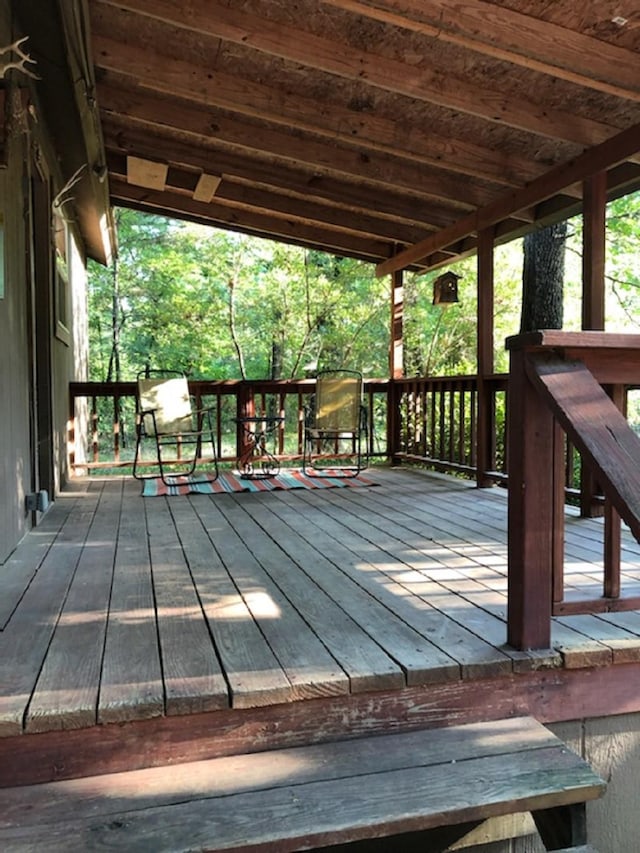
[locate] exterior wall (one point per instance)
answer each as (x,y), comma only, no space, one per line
(16,471)
(611,745)
(70,353)
(33,425)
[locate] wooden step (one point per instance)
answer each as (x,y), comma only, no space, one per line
(440,781)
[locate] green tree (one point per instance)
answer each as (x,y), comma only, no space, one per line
(223,305)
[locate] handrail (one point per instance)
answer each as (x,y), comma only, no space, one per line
(556,382)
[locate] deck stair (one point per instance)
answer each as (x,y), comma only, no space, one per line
(429,786)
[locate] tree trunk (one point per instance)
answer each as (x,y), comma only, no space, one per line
(543,278)
(277,357)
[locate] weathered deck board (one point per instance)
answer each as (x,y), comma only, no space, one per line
(366,536)
(66,694)
(367,665)
(193,678)
(22,565)
(298,798)
(25,641)
(131,686)
(81,798)
(136,608)
(284,605)
(404,591)
(253,672)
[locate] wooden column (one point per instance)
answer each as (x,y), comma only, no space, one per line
(245,408)
(612,524)
(531,513)
(397,311)
(593,251)
(485,437)
(593,295)
(396,362)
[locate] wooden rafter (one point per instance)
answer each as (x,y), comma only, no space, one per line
(513,37)
(254,222)
(292,206)
(195,85)
(425,82)
(338,157)
(267,173)
(596,159)
(400,123)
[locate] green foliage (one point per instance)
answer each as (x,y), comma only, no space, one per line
(222,305)
(227,306)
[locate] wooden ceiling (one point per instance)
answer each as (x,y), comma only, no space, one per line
(362,127)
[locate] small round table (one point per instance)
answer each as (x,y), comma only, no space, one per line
(257,462)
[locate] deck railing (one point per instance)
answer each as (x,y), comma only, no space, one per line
(431,421)
(573,384)
(101,429)
(439,424)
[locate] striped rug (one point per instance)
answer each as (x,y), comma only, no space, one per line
(232,482)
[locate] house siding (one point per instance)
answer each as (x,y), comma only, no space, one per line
(15,381)
(26,437)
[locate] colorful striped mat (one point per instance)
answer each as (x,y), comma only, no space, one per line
(232,482)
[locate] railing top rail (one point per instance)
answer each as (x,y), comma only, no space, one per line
(218,386)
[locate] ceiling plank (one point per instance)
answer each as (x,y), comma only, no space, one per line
(597,159)
(243,195)
(335,158)
(268,225)
(120,64)
(497,31)
(127,139)
(423,81)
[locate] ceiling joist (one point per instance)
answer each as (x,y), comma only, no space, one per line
(390,130)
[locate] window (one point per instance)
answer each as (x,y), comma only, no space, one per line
(61,281)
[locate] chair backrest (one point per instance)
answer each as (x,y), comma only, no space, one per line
(169,398)
(338,400)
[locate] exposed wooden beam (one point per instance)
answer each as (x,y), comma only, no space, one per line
(313,184)
(520,39)
(594,230)
(258,100)
(596,159)
(269,226)
(485,436)
(424,81)
(335,157)
(259,198)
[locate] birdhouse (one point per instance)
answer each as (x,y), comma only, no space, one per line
(445,289)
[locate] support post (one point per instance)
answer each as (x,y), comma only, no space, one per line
(396,362)
(397,316)
(531,514)
(485,434)
(245,408)
(593,296)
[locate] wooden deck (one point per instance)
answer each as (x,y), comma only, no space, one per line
(384,605)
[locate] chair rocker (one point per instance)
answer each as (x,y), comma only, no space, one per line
(336,428)
(166,418)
